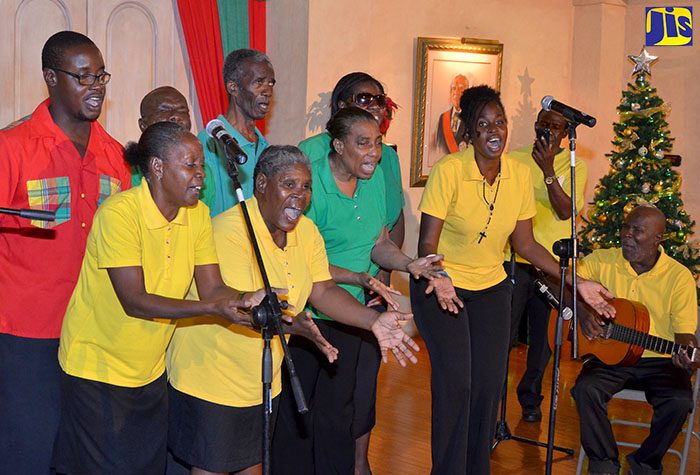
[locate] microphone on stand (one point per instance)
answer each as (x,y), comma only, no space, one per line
(566,312)
(571,114)
(216,130)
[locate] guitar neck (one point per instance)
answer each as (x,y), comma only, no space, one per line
(649,342)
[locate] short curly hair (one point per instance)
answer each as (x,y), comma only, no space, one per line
(53,52)
(233,65)
(277,158)
(472,102)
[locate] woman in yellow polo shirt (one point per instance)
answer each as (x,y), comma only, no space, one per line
(473,202)
(214,367)
(145,248)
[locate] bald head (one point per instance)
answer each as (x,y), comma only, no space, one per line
(640,236)
(164,104)
(651,215)
(457,87)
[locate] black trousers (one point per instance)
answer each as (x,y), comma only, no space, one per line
(321,441)
(30,403)
(369,359)
(529,302)
(667,389)
(468,355)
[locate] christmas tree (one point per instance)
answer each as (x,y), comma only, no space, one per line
(641,173)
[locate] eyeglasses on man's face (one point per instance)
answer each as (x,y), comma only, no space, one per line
(88,79)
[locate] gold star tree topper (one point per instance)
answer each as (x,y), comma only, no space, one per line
(642,62)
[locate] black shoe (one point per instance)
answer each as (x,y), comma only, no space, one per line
(532,414)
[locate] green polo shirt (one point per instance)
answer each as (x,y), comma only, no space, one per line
(218,193)
(349,225)
(319,146)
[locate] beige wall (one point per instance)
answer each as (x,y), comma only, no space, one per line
(574,50)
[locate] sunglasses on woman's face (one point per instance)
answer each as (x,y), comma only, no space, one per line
(366,99)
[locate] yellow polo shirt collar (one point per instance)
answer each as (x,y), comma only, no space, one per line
(455,194)
(152,216)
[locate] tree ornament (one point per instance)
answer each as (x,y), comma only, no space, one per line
(630,178)
(627,132)
(646,187)
(635,106)
(658,187)
(642,151)
(629,207)
(603,218)
(659,154)
(642,62)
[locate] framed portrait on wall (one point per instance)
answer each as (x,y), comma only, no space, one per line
(445,67)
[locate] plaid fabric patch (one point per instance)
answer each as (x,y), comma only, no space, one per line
(50,194)
(108,187)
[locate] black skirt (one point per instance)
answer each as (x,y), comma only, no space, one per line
(111,429)
(215,437)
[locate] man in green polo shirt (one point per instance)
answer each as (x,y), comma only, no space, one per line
(249,80)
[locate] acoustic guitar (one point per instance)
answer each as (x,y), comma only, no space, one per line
(624,338)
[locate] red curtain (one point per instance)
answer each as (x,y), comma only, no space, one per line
(200,26)
(256,24)
(256,29)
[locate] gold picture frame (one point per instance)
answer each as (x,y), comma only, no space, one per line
(443,66)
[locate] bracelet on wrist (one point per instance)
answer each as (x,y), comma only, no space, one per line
(444,274)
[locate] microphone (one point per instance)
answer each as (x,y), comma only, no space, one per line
(566,312)
(571,114)
(215,130)
(34,214)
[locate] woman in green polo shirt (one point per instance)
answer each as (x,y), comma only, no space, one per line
(349,207)
(359,89)
(473,202)
(144,250)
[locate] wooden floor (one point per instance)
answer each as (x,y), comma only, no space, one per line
(400,442)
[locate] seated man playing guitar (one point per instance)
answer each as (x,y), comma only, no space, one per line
(639,271)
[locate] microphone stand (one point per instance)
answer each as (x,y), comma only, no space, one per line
(267,315)
(570,251)
(503,432)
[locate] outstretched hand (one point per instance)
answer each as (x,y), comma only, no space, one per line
(303,325)
(391,337)
(445,294)
(384,291)
(426,267)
